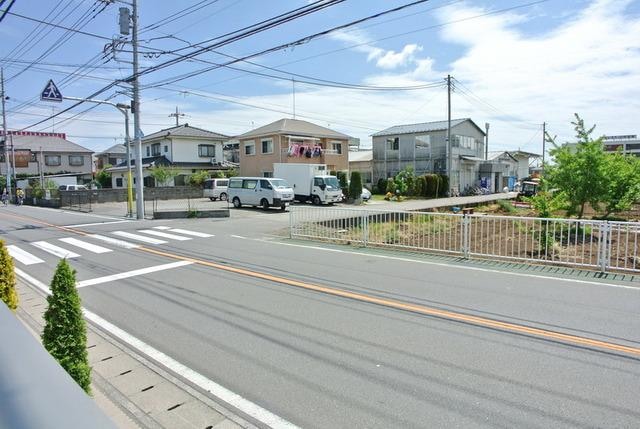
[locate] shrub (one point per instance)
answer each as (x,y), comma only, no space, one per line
(355,187)
(8,292)
(506,206)
(65,334)
(443,189)
(232,172)
(197,179)
(420,185)
(382,186)
(342,178)
(391,186)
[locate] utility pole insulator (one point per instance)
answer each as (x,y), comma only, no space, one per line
(124,20)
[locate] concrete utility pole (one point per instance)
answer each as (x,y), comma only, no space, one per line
(486,144)
(4,130)
(544,143)
(449,146)
(177,114)
(137,132)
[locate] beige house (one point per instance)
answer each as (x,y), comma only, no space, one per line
(362,161)
(295,141)
(112,156)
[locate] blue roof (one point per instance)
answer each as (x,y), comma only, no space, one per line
(423,127)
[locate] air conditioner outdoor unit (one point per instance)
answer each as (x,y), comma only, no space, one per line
(213,161)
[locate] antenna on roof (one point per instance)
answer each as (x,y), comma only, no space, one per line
(177,114)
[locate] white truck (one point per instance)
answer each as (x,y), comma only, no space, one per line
(310,182)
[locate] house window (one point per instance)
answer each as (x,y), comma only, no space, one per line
(166,148)
(250,148)
(393,143)
(119,182)
(423,142)
(52,160)
(206,150)
(336,147)
(33,157)
(267,146)
(155,149)
(267,174)
(148,151)
(76,160)
(464,142)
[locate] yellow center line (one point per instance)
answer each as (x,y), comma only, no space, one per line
(390,303)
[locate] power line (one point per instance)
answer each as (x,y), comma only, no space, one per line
(59,26)
(6,11)
(177,15)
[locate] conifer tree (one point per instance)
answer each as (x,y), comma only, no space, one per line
(65,333)
(8,292)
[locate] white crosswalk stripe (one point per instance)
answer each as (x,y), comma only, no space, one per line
(138,237)
(115,241)
(84,245)
(23,256)
(54,250)
(161,227)
(187,232)
(164,234)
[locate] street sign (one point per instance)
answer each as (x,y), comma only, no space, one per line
(51,92)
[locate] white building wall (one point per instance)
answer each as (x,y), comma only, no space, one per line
(186,150)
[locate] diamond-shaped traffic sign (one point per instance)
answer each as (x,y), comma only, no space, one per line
(51,92)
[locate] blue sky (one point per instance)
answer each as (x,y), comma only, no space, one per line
(517,63)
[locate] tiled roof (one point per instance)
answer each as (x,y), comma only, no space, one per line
(293,127)
(116,148)
(423,127)
(185,130)
(47,143)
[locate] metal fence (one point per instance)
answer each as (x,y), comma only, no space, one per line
(602,245)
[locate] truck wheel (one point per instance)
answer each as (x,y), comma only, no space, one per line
(223,196)
(212,198)
(316,200)
(236,202)
(264,203)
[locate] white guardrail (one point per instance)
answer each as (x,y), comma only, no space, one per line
(603,245)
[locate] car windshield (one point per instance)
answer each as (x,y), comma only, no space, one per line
(332,182)
(280,183)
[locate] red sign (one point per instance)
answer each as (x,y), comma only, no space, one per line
(34,133)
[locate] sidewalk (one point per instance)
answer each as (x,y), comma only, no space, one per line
(133,391)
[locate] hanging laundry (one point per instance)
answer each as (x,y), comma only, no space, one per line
(317,151)
(293,150)
(301,150)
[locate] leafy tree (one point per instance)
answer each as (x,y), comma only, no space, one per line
(382,185)
(232,172)
(104,178)
(8,292)
(623,185)
(403,179)
(65,332)
(343,180)
(197,179)
(163,174)
(355,186)
(391,185)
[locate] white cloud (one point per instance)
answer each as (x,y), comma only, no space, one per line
(393,59)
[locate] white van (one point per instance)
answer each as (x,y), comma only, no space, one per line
(215,188)
(260,191)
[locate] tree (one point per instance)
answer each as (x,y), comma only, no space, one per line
(402,181)
(355,186)
(163,174)
(8,292)
(65,332)
(197,179)
(104,178)
(623,186)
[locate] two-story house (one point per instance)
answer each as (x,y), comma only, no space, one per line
(185,148)
(295,141)
(46,153)
(424,147)
(114,155)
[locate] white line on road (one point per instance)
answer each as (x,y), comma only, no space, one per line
(187,232)
(240,237)
(164,235)
(54,250)
(254,410)
(23,256)
(125,275)
(162,227)
(84,245)
(139,237)
(115,241)
(439,264)
(96,223)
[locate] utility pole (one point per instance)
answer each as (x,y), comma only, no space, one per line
(486,144)
(4,133)
(544,143)
(449,146)
(136,114)
(293,85)
(177,114)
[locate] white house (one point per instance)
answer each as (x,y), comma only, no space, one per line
(186,148)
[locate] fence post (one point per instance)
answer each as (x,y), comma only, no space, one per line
(290,222)
(466,222)
(365,228)
(605,246)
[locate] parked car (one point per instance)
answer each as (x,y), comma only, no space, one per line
(216,188)
(72,188)
(260,191)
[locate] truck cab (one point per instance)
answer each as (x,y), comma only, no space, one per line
(326,189)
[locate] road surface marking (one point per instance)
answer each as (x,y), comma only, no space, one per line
(84,245)
(23,256)
(125,275)
(239,236)
(164,235)
(254,410)
(415,308)
(187,232)
(55,250)
(96,223)
(139,237)
(162,227)
(115,241)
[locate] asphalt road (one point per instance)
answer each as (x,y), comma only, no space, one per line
(325,337)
